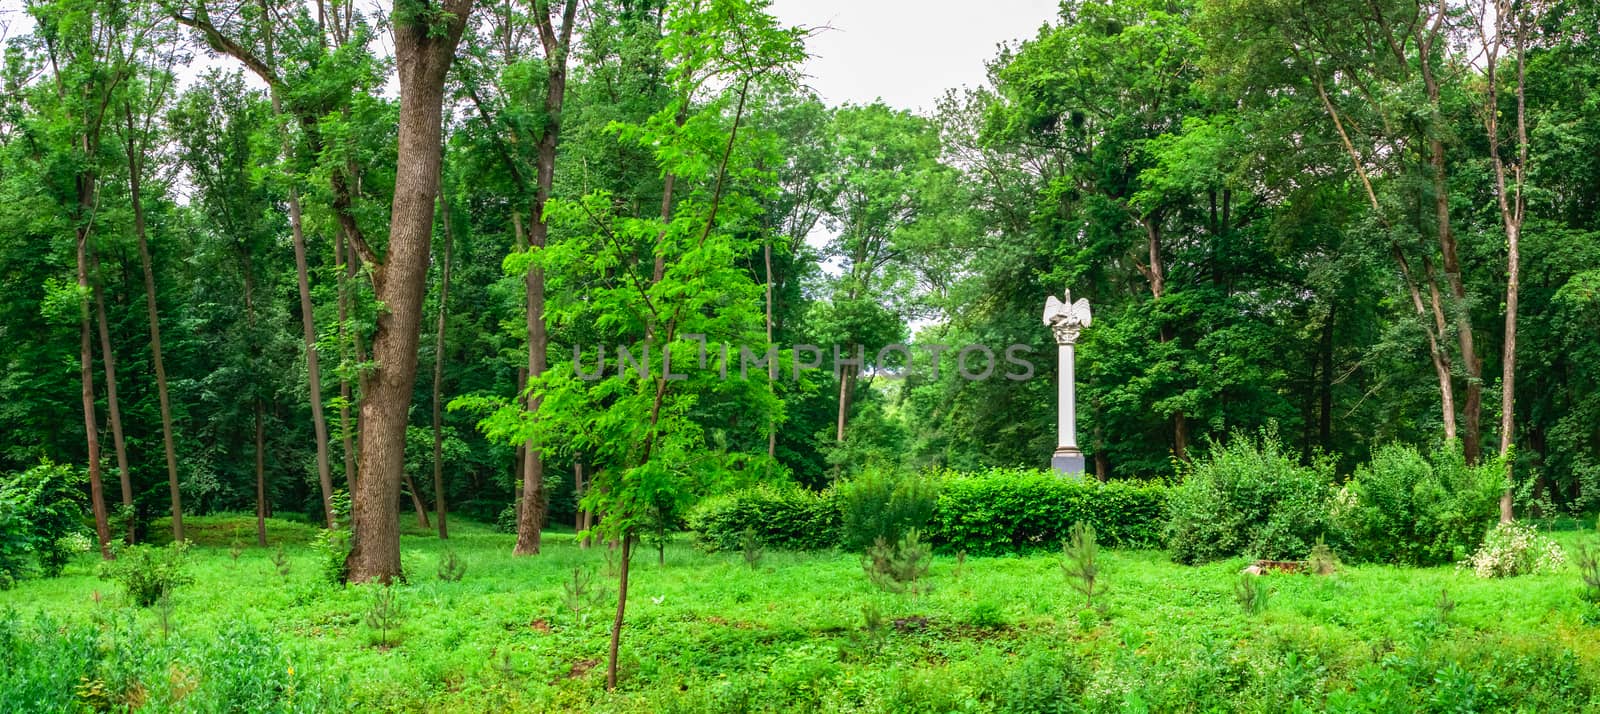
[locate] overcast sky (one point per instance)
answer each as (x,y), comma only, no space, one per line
(908,52)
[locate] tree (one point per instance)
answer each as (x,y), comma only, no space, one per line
(425,41)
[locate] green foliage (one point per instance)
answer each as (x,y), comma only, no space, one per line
(750,548)
(899,566)
(781,517)
(332,547)
(1251,593)
(1415,510)
(987,513)
(1247,497)
(385,613)
(149,573)
(1046,682)
(1588,560)
(281,563)
(580,595)
(452,567)
(883,504)
(41,509)
(1011,510)
(1322,560)
(1080,564)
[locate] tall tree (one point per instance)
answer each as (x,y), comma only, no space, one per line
(425,41)
(136,143)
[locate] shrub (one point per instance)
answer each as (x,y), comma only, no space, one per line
(1250,497)
(1512,549)
(148,573)
(40,510)
(991,512)
(1011,510)
(781,517)
(332,546)
(506,522)
(885,504)
(1409,509)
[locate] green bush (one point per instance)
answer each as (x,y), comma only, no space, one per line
(782,517)
(991,512)
(1011,510)
(1248,497)
(1409,509)
(149,573)
(39,510)
(882,504)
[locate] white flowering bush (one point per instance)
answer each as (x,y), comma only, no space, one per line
(1515,549)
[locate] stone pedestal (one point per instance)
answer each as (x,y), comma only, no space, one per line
(1068,462)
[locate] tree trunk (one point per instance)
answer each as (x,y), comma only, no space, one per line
(622,608)
(423,54)
(438,371)
(846,385)
(261,429)
(173,490)
(772,366)
(346,268)
(97,500)
(1472,406)
(1513,211)
(416,503)
(109,362)
(261,477)
(556,46)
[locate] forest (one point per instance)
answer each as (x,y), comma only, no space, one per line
(610,276)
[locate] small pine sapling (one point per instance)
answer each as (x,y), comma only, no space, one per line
(384,614)
(580,594)
(451,567)
(751,548)
(1589,573)
(1444,607)
(1322,560)
(1081,564)
(1251,594)
(280,562)
(899,567)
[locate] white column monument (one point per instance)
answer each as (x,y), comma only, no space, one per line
(1066,319)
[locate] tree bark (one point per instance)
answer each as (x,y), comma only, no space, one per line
(97,500)
(1471,363)
(261,477)
(622,608)
(423,54)
(556,45)
(109,363)
(173,490)
(438,371)
(772,365)
(1513,209)
(346,268)
(416,503)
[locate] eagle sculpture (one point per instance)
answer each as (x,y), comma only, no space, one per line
(1066,315)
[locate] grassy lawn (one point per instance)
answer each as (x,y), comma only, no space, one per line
(709,633)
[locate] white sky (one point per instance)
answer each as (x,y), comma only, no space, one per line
(908,52)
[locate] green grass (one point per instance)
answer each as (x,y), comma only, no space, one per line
(707,633)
